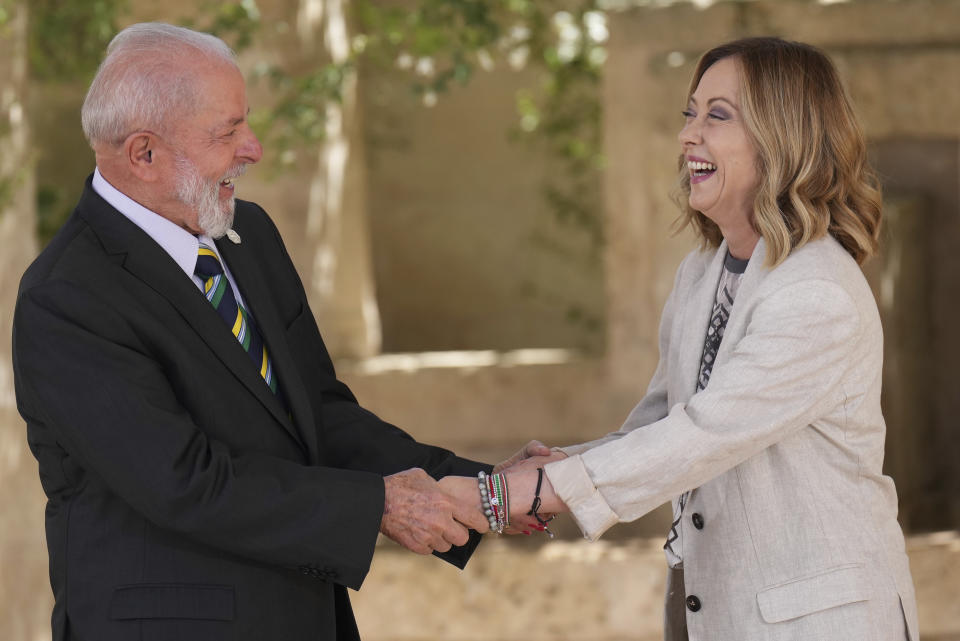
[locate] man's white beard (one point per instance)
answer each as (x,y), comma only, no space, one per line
(214,216)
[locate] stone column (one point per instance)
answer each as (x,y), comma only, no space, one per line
(903,294)
(25,597)
(339,277)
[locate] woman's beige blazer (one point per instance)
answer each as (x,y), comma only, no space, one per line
(798,536)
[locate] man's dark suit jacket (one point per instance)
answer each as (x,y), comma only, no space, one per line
(185,503)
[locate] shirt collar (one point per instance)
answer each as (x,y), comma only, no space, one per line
(180,244)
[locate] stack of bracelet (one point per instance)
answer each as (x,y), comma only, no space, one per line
(496,501)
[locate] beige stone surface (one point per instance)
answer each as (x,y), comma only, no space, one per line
(935,564)
(533,590)
(466,407)
(468,254)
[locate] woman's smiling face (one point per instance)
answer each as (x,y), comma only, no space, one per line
(720,156)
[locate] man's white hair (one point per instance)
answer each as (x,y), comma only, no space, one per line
(145,78)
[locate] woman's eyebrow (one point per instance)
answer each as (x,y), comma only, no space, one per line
(715,99)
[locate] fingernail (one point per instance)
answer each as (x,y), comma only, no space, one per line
(526,532)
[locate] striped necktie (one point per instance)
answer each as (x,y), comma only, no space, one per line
(218,291)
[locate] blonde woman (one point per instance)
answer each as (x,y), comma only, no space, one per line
(762,423)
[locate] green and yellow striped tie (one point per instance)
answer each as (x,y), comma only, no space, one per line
(220,294)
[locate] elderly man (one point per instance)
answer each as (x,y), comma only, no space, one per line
(208,476)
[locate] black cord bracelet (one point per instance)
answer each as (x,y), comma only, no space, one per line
(535,508)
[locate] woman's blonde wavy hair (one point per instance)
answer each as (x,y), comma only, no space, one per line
(812,160)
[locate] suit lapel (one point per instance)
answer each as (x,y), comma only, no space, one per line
(699,307)
(256,296)
(149,263)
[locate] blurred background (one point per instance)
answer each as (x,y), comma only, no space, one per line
(478,196)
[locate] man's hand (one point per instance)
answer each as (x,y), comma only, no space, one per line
(533,448)
(421,517)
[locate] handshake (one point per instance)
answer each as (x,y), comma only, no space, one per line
(425,516)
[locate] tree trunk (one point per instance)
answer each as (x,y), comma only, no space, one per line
(340,272)
(25,597)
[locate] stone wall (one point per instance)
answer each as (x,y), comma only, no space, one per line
(468,254)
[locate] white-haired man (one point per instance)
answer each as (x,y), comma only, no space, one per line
(208,476)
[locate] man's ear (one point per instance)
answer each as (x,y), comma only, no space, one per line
(140,151)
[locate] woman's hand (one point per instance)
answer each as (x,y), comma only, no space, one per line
(533,448)
(520,472)
(522,484)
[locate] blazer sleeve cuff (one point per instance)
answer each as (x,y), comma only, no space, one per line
(572,483)
(458,556)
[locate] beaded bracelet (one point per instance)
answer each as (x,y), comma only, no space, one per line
(495,500)
(485,500)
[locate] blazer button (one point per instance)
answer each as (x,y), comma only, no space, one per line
(697,520)
(693,603)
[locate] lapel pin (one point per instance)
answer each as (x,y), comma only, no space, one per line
(233,236)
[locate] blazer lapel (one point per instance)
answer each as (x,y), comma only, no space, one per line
(697,311)
(243,266)
(149,263)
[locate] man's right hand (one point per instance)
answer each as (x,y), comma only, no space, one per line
(418,515)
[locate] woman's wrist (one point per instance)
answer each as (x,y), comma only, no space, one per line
(523,491)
